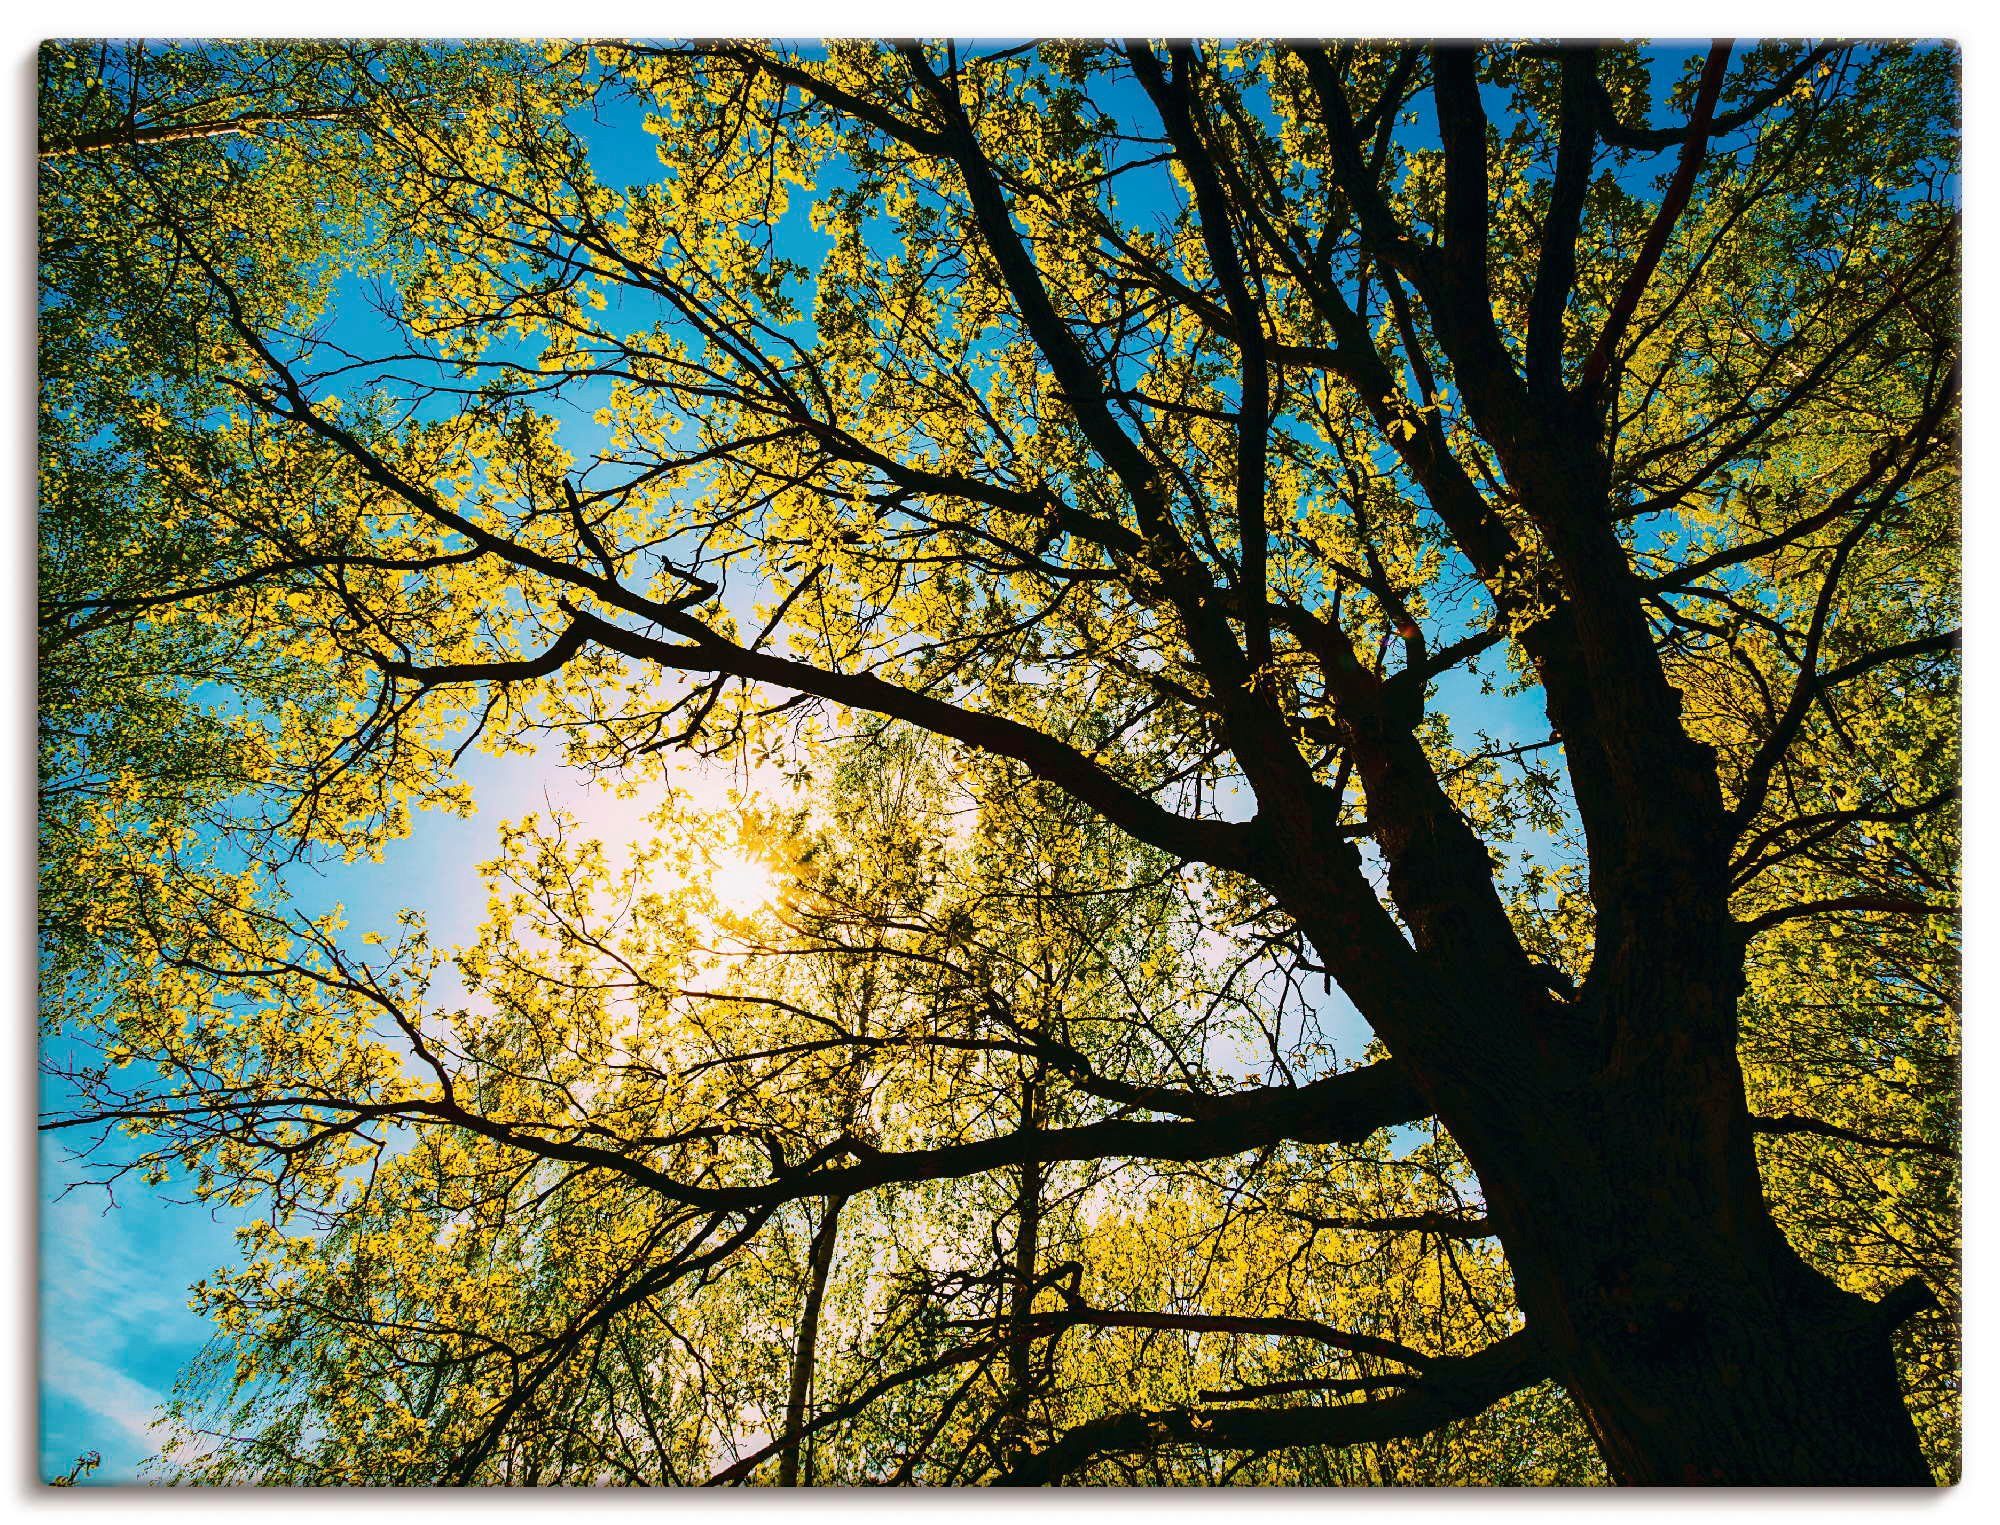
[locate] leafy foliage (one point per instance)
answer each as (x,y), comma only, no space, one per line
(1196,528)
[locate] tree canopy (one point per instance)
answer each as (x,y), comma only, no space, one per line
(1362,641)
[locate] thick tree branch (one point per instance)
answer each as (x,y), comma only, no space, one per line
(1046,1324)
(1174,98)
(1555,269)
(1879,905)
(1652,139)
(1694,149)
(1457,1389)
(1223,843)
(1342,1108)
(1795,1122)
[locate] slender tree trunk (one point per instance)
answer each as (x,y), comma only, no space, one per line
(1021,1294)
(1021,1281)
(819,1265)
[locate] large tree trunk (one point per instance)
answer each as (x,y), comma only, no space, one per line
(1615,1150)
(1618,1155)
(1698,1345)
(1735,1385)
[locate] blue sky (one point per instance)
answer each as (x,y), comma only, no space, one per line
(116,1328)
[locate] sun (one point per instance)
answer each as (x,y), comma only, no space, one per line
(741,881)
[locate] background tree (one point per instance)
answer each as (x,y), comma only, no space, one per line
(922,978)
(157,716)
(1208,440)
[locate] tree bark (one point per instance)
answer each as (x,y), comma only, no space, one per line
(1699,1347)
(1703,1351)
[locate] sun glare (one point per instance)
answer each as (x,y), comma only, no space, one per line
(741,882)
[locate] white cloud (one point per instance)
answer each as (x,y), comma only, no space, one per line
(93,1278)
(103,1390)
(115,1325)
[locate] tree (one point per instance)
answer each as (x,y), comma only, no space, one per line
(153,718)
(1202,444)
